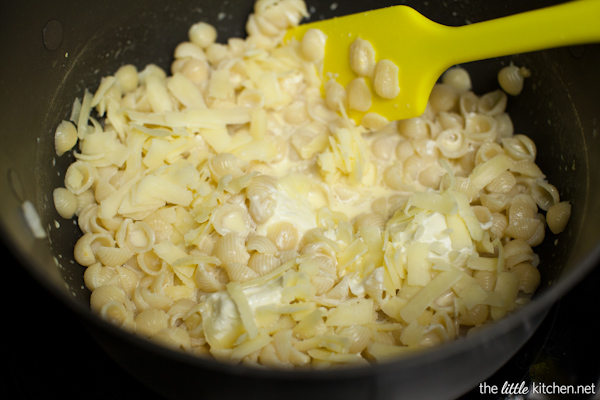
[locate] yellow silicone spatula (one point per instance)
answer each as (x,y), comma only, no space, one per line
(422,49)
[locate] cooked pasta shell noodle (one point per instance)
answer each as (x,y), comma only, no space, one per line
(413,128)
(483,215)
(65,202)
(89,221)
(84,200)
(528,169)
(97,275)
(445,299)
(189,50)
(511,79)
(492,103)
(487,151)
(520,147)
(105,294)
(451,120)
(480,128)
(210,278)
(150,263)
(238,272)
(529,277)
(161,226)
(475,316)
(79,177)
(495,202)
(465,186)
(383,147)
(86,246)
(231,218)
(503,183)
(360,336)
(284,235)
(467,103)
(558,216)
(530,230)
(545,195)
(499,224)
(117,314)
(260,195)
(151,321)
(128,279)
(486,279)
(370,219)
(504,125)
(522,206)
(457,77)
(174,338)
(113,256)
(226,164)
(404,150)
(443,97)
(431,176)
(263,263)
(287,255)
(411,169)
(140,238)
(65,137)
(261,244)
(145,298)
(452,143)
(231,248)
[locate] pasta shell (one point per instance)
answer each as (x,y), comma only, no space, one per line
(413,128)
(529,229)
(529,277)
(527,168)
(260,195)
(231,218)
(511,79)
(263,263)
(86,246)
(65,202)
(558,216)
(79,177)
(504,125)
(230,248)
(65,137)
(404,150)
(503,183)
(360,337)
(210,278)
(117,314)
(520,147)
(495,202)
(451,120)
(105,294)
(443,97)
(487,151)
(452,143)
(467,103)
(238,272)
(383,147)
(284,235)
(370,219)
(492,103)
(151,321)
(459,78)
(113,256)
(480,128)
(521,206)
(475,316)
(545,195)
(261,244)
(226,164)
(160,225)
(486,279)
(499,224)
(97,275)
(150,263)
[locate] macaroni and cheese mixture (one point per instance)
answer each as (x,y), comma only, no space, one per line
(230,209)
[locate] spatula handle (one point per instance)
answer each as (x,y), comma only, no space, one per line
(571,23)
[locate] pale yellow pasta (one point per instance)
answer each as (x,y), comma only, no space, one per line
(65,137)
(359,95)
(458,78)
(511,78)
(362,57)
(385,80)
(232,211)
(558,215)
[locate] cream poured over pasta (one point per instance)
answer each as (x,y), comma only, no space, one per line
(228,209)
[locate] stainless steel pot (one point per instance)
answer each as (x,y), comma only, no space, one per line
(54,50)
